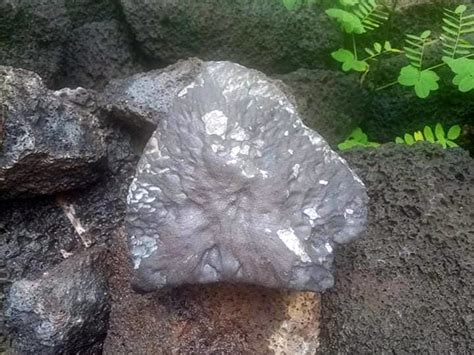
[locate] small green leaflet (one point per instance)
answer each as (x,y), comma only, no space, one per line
(454,132)
(349,22)
(438,137)
(424,81)
(357,139)
(429,134)
(464,70)
(348,61)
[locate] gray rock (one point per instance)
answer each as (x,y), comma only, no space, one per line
(233,187)
(49,145)
(259,34)
(68,43)
(406,287)
(145,98)
(36,234)
(98,52)
(330,102)
(64,311)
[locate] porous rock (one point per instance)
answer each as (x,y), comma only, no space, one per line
(98,52)
(233,187)
(405,286)
(64,311)
(260,34)
(49,144)
(143,99)
(37,234)
(330,102)
(68,43)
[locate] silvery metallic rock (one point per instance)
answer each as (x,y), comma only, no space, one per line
(233,187)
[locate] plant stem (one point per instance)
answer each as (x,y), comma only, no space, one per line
(387,85)
(354,46)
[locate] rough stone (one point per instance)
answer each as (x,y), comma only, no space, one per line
(332,103)
(64,311)
(233,187)
(145,98)
(38,234)
(49,144)
(68,43)
(405,287)
(97,53)
(207,319)
(259,34)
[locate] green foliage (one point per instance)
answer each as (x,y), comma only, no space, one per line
(439,136)
(424,81)
(456,26)
(463,68)
(415,47)
(349,62)
(357,17)
(357,139)
(349,22)
(370,13)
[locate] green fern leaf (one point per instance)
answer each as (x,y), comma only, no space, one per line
(456,25)
(414,49)
(370,14)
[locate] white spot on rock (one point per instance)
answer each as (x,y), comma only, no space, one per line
(311,213)
(239,134)
(215,122)
(288,237)
(328,247)
(323,182)
(296,170)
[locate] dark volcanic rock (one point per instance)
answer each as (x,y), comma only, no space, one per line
(259,34)
(145,98)
(37,234)
(330,102)
(98,52)
(68,43)
(64,311)
(50,145)
(406,286)
(233,187)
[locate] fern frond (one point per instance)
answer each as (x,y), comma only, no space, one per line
(456,25)
(415,47)
(370,14)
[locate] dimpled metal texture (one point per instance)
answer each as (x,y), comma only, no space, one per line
(233,187)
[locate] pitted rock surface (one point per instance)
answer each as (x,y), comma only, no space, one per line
(143,99)
(233,187)
(49,144)
(65,311)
